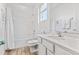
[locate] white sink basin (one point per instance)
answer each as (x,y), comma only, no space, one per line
(72,42)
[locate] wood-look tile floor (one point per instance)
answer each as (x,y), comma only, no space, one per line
(18,51)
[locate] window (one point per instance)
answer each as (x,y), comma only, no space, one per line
(43,14)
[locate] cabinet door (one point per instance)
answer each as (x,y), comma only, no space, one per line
(60,51)
(2,52)
(47,44)
(49,53)
(42,50)
(39,39)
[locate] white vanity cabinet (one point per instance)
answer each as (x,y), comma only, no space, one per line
(61,51)
(49,48)
(45,47)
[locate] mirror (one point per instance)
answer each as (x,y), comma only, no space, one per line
(66,24)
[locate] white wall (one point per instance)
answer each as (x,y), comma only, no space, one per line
(22,23)
(49,25)
(25,22)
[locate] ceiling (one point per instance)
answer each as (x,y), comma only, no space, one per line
(23,10)
(30,5)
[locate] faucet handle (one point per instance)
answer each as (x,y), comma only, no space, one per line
(59,34)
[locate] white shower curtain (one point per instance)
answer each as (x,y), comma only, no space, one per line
(9,30)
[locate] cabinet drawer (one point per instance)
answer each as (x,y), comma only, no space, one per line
(60,51)
(47,44)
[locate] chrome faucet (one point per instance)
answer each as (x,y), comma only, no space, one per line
(44,32)
(59,34)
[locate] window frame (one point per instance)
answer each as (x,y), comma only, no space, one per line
(42,11)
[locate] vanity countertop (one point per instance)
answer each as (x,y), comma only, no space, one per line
(70,44)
